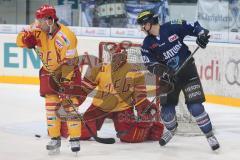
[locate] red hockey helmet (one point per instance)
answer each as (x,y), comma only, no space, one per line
(46,11)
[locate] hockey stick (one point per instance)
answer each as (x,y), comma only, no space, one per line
(177,71)
(186,61)
(52,73)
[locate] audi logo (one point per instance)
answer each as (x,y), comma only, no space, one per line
(232,73)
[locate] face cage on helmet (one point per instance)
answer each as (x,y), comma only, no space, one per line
(118,60)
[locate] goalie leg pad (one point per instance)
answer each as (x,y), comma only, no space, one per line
(94,118)
(85,135)
(137,133)
(128,130)
(156,131)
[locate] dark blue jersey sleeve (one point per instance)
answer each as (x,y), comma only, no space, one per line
(185,28)
(147,56)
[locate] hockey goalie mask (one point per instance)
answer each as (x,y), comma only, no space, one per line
(118,56)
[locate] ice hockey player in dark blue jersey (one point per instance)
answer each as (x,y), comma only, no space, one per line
(163,52)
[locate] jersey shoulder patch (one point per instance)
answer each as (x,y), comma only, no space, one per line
(59,43)
(63,36)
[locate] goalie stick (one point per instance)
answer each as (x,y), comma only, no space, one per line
(52,73)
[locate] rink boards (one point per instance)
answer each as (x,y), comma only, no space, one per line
(218,65)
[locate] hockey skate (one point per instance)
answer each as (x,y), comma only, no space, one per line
(167,136)
(54,146)
(75,144)
(213,142)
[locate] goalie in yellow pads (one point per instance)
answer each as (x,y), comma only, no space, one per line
(120,88)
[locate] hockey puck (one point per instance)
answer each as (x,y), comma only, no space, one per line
(37,135)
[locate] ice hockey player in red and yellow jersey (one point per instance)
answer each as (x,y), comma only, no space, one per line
(57,45)
(120,88)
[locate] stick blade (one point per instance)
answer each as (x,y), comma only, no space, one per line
(105,140)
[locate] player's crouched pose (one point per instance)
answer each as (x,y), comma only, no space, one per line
(120,88)
(164,52)
(57,45)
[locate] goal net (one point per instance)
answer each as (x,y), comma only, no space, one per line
(186,123)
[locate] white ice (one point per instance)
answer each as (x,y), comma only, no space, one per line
(22,115)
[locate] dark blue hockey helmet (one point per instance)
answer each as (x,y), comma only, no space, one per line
(147,16)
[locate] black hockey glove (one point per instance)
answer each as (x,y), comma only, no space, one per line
(203,38)
(166,75)
(158,69)
(169,77)
(166,83)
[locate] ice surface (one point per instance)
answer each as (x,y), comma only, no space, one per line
(22,115)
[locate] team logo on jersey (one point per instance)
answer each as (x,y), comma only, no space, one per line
(155,45)
(173,62)
(173,51)
(173,38)
(64,37)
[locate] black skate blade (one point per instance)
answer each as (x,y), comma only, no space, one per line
(216,147)
(162,142)
(75,149)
